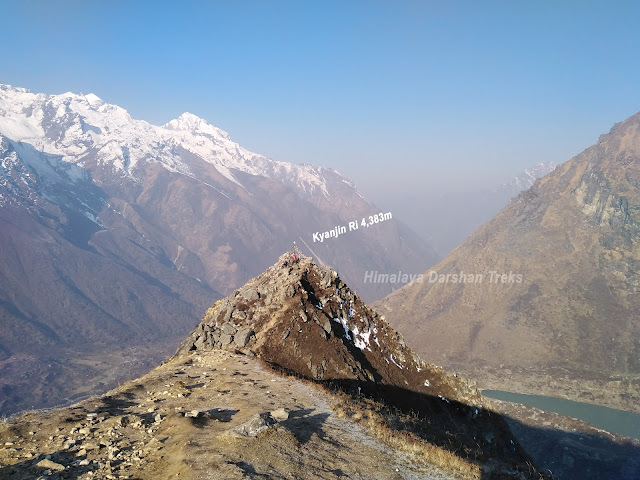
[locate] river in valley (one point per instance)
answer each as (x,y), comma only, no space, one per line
(620,422)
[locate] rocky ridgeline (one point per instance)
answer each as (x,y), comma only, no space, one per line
(304,318)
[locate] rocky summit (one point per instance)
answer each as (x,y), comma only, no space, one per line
(291,376)
(304,318)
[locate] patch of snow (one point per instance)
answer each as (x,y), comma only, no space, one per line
(344,325)
(396,363)
(361,340)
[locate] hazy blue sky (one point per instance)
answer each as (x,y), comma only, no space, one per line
(439,95)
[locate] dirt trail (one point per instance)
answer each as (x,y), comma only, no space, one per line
(179,420)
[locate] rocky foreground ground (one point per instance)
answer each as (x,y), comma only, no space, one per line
(206,415)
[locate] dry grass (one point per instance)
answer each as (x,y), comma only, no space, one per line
(373,417)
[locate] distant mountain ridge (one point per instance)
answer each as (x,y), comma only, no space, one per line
(526,179)
(111,228)
(83,128)
(446,220)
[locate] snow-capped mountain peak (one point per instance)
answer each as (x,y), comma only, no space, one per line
(527,178)
(94,100)
(192,123)
(83,128)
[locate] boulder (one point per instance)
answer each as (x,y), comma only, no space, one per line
(228,329)
(49,465)
(243,337)
(250,294)
(255,425)
(280,414)
(239,315)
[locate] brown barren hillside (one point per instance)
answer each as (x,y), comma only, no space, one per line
(561,313)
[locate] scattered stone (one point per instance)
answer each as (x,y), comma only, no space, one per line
(227,315)
(228,329)
(327,326)
(250,294)
(49,465)
(280,414)
(255,425)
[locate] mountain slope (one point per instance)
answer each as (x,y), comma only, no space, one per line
(115,234)
(190,175)
(303,319)
(567,305)
(215,410)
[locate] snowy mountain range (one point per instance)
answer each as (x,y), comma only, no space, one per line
(83,129)
(115,233)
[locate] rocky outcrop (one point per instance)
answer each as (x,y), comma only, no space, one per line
(304,318)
